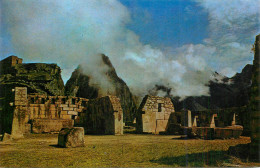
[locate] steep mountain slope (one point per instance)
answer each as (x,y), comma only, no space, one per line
(225,93)
(80,85)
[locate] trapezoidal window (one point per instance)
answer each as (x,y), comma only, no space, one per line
(73,101)
(63,101)
(42,101)
(84,103)
(159,107)
(53,101)
(32,100)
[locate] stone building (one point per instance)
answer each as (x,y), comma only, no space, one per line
(104,116)
(11,61)
(154,114)
(43,114)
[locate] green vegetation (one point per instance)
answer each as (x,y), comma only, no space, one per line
(129,150)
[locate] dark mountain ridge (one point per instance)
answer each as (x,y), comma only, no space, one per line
(80,85)
(224,93)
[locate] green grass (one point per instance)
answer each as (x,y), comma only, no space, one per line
(129,150)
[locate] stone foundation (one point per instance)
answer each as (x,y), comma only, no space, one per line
(50,125)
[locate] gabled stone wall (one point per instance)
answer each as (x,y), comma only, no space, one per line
(104,116)
(154,114)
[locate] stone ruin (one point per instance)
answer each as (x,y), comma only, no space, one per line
(156,115)
(104,116)
(153,114)
(208,125)
(36,113)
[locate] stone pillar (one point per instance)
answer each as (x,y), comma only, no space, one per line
(186,118)
(195,121)
(20,112)
(189,119)
(212,122)
(234,120)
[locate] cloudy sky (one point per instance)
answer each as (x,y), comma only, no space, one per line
(177,43)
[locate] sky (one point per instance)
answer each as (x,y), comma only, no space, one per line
(176,43)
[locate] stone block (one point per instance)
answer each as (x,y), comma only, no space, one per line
(205,132)
(160,116)
(68,108)
(64,112)
(50,125)
(149,123)
(71,137)
(72,113)
(236,130)
(42,116)
(53,112)
(66,116)
(28,129)
(52,106)
(161,126)
(42,112)
(7,137)
(166,116)
(20,96)
(63,105)
(223,133)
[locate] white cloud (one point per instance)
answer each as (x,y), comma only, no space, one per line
(73,32)
(233,26)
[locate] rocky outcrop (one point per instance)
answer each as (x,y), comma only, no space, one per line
(37,77)
(80,85)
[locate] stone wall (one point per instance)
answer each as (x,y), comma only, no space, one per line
(55,107)
(42,114)
(50,125)
(254,104)
(55,110)
(104,116)
(153,114)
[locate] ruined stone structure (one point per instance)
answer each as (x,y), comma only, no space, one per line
(207,125)
(10,62)
(42,114)
(154,114)
(104,116)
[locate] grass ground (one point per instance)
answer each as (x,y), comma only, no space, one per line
(130,150)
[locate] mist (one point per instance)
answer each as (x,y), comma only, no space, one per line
(70,33)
